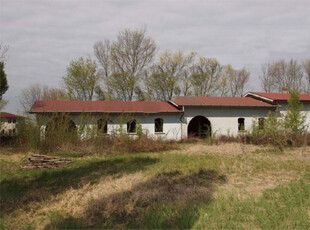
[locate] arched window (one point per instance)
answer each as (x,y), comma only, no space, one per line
(159,125)
(240,124)
(132,126)
(61,124)
(102,126)
(261,123)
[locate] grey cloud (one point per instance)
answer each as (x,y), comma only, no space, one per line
(44,36)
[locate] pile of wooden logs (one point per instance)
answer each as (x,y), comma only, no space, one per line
(43,161)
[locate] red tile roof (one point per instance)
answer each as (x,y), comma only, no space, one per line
(103,106)
(9,115)
(220,101)
(278,96)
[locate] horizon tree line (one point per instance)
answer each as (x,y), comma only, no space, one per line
(130,68)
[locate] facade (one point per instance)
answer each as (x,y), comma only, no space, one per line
(281,100)
(8,123)
(174,120)
(158,119)
(221,115)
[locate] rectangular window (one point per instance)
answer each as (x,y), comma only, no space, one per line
(241,124)
(159,125)
(261,122)
(102,126)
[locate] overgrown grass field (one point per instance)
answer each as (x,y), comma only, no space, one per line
(224,186)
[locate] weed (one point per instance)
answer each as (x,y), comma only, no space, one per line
(62,135)
(160,190)
(16,192)
(285,207)
(60,221)
(156,203)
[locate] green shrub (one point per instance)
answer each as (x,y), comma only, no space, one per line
(61,134)
(281,130)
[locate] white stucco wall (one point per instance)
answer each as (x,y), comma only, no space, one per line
(306,111)
(224,120)
(7,128)
(118,122)
(171,126)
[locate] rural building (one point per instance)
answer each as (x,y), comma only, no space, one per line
(281,100)
(8,123)
(220,115)
(177,119)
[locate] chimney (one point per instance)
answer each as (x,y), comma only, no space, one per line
(284,90)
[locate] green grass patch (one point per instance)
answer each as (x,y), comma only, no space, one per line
(286,207)
(166,216)
(177,194)
(69,154)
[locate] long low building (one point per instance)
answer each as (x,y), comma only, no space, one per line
(177,119)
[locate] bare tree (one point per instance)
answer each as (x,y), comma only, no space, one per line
(306,66)
(283,74)
(167,77)
(38,92)
(121,86)
(295,76)
(223,90)
(124,60)
(206,77)
(236,80)
(102,50)
(132,51)
(82,79)
(267,80)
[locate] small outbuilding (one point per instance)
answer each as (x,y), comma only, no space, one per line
(8,123)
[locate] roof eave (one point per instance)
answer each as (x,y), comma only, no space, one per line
(259,96)
(260,106)
(34,112)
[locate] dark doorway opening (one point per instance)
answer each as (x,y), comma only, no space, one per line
(199,127)
(132,126)
(61,125)
(102,126)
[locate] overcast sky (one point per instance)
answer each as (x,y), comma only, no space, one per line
(44,36)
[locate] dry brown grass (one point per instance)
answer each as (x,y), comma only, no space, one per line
(122,199)
(248,185)
(9,154)
(73,201)
(244,178)
(173,188)
(224,148)
(249,170)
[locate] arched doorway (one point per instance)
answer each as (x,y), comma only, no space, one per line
(61,125)
(199,126)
